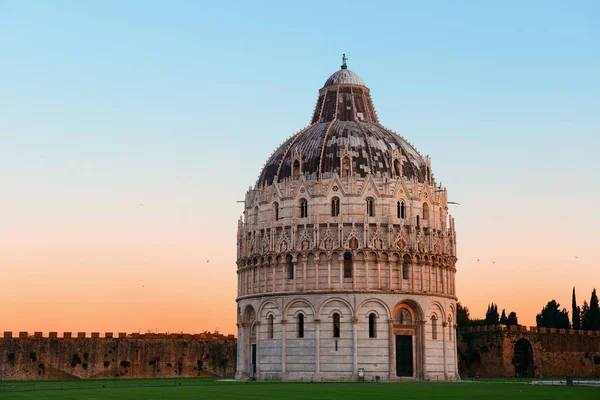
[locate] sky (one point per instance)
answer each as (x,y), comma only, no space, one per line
(128,131)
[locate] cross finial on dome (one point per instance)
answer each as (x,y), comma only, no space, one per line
(344,59)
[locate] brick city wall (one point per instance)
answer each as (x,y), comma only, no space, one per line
(490,351)
(84,356)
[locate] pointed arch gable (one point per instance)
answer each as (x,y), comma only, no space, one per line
(370,182)
(335,181)
(401,191)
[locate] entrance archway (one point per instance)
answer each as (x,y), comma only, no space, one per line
(405,340)
(523,359)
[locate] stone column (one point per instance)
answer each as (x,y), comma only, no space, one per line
(240,353)
(392,349)
(390,279)
(274,276)
(341,260)
(353,272)
(378,274)
(421,356)
(257,372)
(317,266)
(354,345)
(317,346)
(295,275)
(444,325)
(329,272)
(243,347)
(455,361)
(283,347)
(366,271)
(304,286)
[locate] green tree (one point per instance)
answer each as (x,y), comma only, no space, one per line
(552,316)
(503,319)
(512,319)
(491,316)
(575,313)
(462,315)
(585,316)
(594,321)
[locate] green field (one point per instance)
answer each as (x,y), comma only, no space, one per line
(212,389)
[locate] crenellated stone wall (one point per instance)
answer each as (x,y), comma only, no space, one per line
(83,356)
(498,351)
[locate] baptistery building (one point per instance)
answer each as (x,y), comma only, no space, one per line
(346,253)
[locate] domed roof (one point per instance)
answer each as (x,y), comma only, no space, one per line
(344,77)
(344,124)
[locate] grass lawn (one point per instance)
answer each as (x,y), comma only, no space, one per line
(212,389)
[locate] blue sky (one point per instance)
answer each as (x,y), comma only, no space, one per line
(104,105)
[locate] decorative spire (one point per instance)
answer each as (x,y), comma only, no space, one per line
(344,59)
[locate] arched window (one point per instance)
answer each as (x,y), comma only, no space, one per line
(450,329)
(370,207)
(276,211)
(403,317)
(290,266)
(372,325)
(402,210)
(296,169)
(270,326)
(336,325)
(335,207)
(303,208)
(255,215)
(300,325)
(425,211)
(397,169)
(345,166)
(418,221)
(347,265)
(434,327)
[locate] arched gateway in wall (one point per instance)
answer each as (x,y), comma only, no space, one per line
(346,253)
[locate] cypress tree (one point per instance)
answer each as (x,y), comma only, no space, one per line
(491,316)
(594,322)
(585,316)
(503,319)
(576,313)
